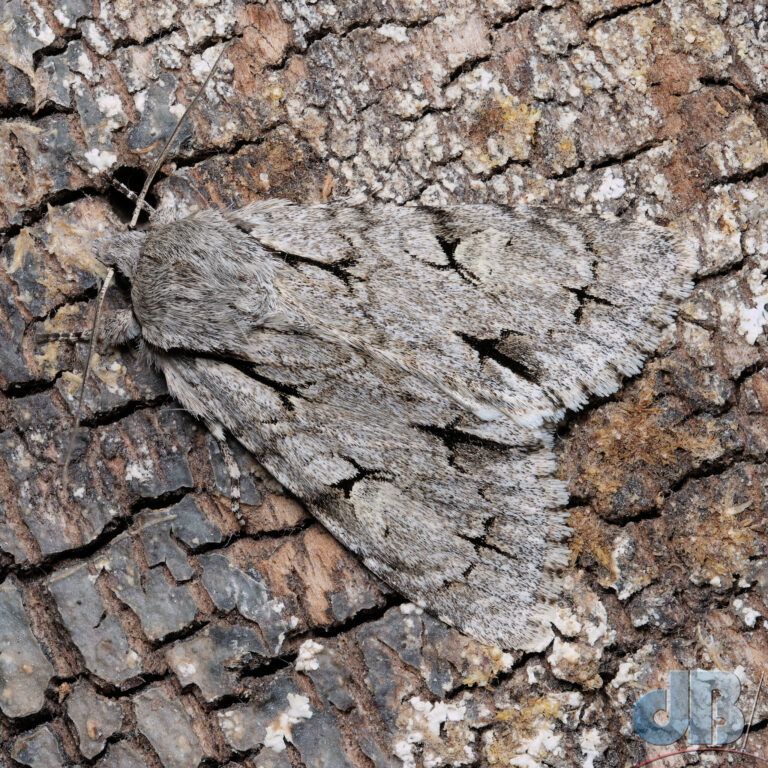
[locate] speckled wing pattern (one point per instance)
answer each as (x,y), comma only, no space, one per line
(401,370)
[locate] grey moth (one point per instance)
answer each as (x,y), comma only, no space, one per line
(401,370)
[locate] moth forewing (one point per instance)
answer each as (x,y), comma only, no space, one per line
(412,428)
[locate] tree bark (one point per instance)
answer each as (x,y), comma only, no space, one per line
(139,625)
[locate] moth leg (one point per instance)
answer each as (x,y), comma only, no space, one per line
(73,337)
(360,198)
(118,329)
(232,470)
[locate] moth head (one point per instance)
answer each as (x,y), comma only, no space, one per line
(121,252)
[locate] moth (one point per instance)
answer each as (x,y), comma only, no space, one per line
(401,370)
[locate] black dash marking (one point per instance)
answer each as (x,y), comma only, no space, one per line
(285,391)
(448,242)
(487,348)
(451,437)
(337,268)
(348,483)
(583,296)
(479,541)
(449,249)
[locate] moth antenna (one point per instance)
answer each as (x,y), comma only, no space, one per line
(81,398)
(131,195)
(160,160)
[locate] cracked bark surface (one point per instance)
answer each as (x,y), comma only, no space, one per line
(138,624)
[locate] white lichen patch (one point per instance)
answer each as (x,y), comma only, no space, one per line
(481,79)
(307,658)
(406,105)
(748,614)
(137,471)
(533,747)
(611,188)
(403,751)
(433,715)
(627,573)
(233,725)
(485,663)
(534,673)
(84,66)
(566,621)
(576,663)
(205,20)
(532,730)
(109,104)
(93,34)
(592,746)
(100,160)
(425,145)
(186,669)
(698,344)
(438,729)
(501,126)
(742,149)
(42,30)
(64,18)
(722,231)
(170,52)
(279,730)
(635,674)
(753,319)
(393,32)
(201,64)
